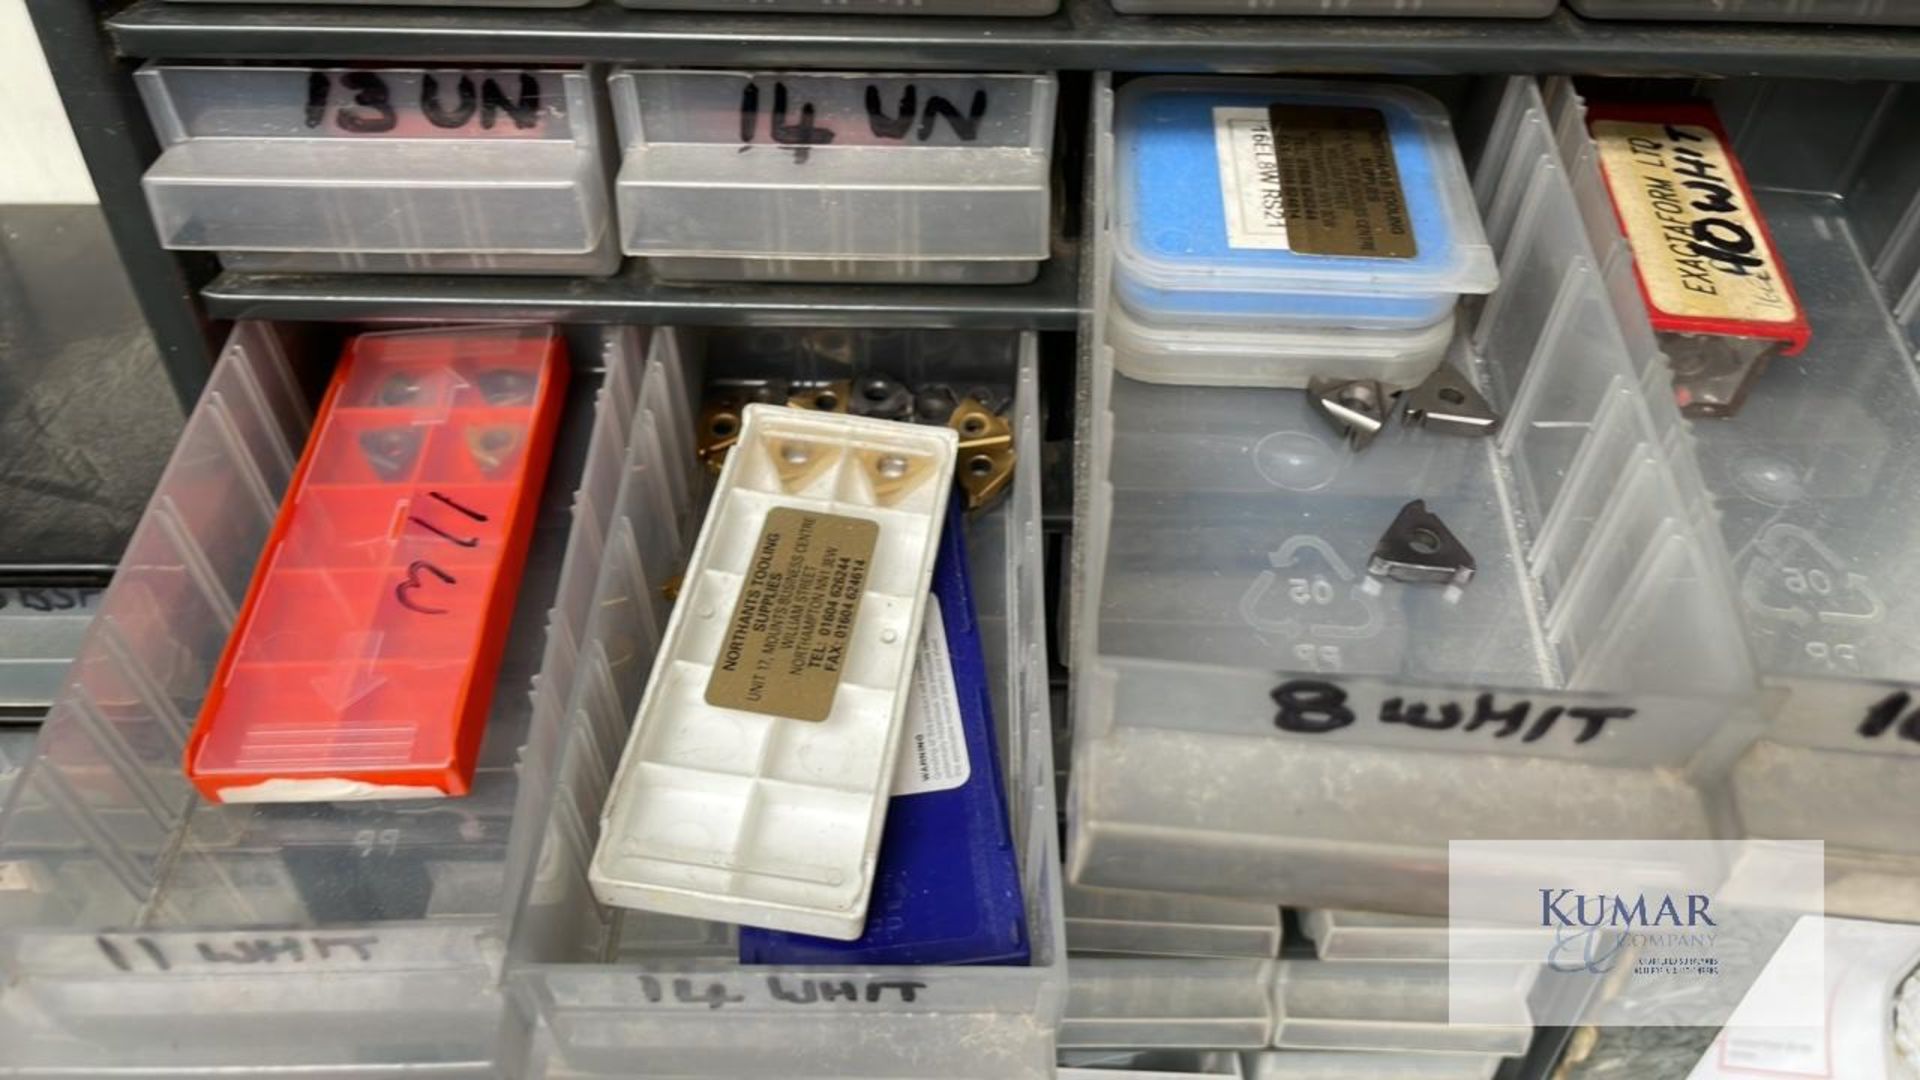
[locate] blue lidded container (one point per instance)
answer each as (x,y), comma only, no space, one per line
(1276,202)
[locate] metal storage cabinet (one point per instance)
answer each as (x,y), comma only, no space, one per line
(141,934)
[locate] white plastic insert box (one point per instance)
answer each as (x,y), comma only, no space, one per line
(145,931)
(1252,720)
(1296,1004)
(596,989)
(739,175)
(1888,12)
(444,170)
(746,818)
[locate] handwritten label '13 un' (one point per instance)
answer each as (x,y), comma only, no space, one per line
(448,101)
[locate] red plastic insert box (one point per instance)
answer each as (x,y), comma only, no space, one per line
(363,661)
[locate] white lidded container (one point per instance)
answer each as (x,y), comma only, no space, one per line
(756,780)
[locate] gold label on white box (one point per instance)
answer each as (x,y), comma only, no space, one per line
(792,626)
(1316,179)
(1696,237)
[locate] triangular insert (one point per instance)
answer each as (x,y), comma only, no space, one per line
(1420,549)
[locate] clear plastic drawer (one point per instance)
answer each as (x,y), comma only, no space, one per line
(1589,681)
(1127,923)
(1365,1005)
(1492,9)
(861,7)
(1292,1004)
(1147,1064)
(836,177)
(1815,483)
(41,627)
(380,169)
(1201,1003)
(145,930)
(594,988)
(1888,12)
(1348,1065)
(1371,935)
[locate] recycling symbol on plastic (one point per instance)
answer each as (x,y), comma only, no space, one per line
(1795,578)
(1309,588)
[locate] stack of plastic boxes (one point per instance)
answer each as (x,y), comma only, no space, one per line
(1267,231)
(857,177)
(1168,984)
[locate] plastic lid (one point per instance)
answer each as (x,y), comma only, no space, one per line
(363,660)
(1273,356)
(1202,225)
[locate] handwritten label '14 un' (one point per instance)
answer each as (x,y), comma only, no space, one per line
(796,124)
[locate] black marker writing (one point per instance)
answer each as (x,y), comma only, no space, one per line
(967,128)
(467,102)
(1315,707)
(372,110)
(1885,712)
(403,592)
(1311,707)
(146,953)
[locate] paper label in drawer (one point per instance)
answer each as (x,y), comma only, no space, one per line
(1342,187)
(786,644)
(934,754)
(1313,179)
(1704,258)
(1250,179)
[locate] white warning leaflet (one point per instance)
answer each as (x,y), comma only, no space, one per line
(1695,233)
(1250,179)
(933,752)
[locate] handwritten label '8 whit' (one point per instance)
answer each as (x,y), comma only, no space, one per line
(1316,707)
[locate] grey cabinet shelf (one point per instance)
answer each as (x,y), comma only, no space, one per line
(1048,303)
(1085,35)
